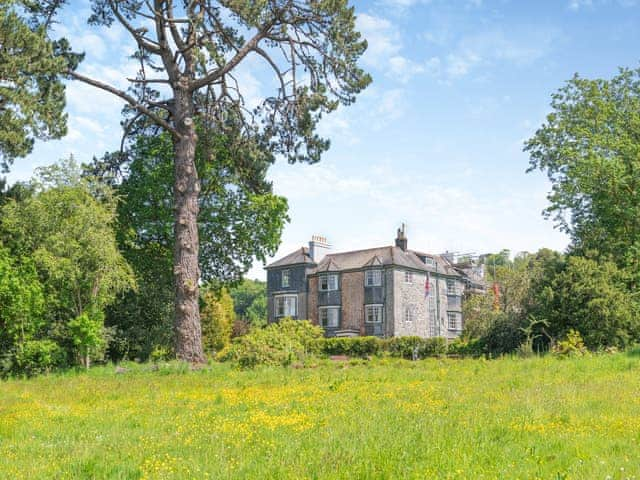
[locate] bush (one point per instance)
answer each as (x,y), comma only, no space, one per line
(351,346)
(416,347)
(280,343)
(473,347)
(38,356)
(504,336)
(572,345)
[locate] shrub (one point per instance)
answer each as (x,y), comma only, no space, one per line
(280,343)
(572,345)
(473,347)
(417,347)
(504,336)
(352,346)
(38,356)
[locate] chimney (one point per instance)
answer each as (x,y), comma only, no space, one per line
(318,248)
(401,239)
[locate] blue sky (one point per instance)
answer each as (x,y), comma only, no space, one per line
(436,140)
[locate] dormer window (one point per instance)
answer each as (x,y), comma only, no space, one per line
(373,278)
(328,282)
(285,279)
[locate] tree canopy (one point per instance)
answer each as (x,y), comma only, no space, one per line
(31,90)
(590,149)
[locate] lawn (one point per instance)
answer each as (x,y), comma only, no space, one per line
(510,418)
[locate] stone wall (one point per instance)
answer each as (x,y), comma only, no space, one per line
(410,295)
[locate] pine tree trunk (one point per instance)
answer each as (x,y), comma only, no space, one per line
(185,262)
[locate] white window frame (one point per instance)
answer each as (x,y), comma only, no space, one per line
(451,287)
(286,311)
(286,274)
(379,307)
(332,310)
(429,261)
(409,314)
(373,278)
(454,316)
(408,276)
(332,282)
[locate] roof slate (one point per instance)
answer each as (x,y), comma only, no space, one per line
(371,257)
(299,256)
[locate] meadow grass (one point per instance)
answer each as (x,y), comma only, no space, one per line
(475,419)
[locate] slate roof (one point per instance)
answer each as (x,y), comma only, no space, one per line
(371,257)
(299,256)
(381,256)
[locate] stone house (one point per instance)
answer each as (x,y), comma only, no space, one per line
(385,291)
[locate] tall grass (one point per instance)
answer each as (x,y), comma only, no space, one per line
(510,418)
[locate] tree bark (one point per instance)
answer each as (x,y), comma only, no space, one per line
(185,262)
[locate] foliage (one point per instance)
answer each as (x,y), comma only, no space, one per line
(504,336)
(31,90)
(590,151)
(572,345)
(279,343)
(352,346)
(217,317)
(312,51)
(592,297)
(87,335)
(66,229)
(466,347)
(22,302)
(240,220)
(417,347)
(35,357)
(250,302)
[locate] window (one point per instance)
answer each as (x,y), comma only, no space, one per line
(373,313)
(285,278)
(373,278)
(330,317)
(409,314)
(430,261)
(451,287)
(328,282)
(453,320)
(286,306)
(408,277)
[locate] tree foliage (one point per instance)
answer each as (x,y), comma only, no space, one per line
(590,149)
(192,49)
(31,90)
(217,318)
(65,228)
(250,302)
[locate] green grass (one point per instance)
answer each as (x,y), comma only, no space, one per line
(507,419)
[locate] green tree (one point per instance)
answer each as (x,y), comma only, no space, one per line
(591,297)
(217,318)
(87,335)
(250,302)
(590,150)
(22,305)
(193,50)
(31,90)
(66,227)
(240,220)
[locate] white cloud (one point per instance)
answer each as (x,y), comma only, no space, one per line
(488,47)
(384,47)
(382,37)
(362,210)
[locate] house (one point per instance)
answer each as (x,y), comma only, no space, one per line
(385,291)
